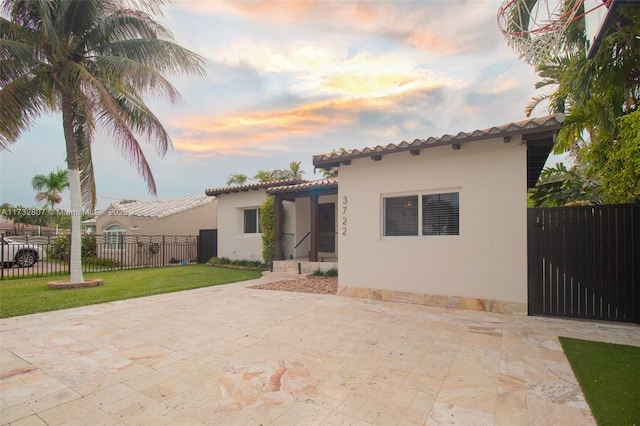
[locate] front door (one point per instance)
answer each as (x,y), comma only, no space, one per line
(327,228)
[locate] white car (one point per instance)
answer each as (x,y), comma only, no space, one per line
(25,255)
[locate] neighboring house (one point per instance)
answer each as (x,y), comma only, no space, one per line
(441,221)
(171,216)
(239,233)
(136,232)
(8,227)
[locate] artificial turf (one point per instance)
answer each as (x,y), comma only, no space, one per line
(609,375)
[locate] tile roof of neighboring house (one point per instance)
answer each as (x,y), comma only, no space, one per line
(314,184)
(157,209)
(253,186)
(539,134)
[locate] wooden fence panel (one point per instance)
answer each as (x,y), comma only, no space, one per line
(584,262)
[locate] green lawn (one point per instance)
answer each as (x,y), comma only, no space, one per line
(609,376)
(30,295)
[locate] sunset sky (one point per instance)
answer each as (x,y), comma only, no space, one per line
(289,79)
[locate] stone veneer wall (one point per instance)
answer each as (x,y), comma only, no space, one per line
(456,302)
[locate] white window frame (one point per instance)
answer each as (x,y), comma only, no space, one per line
(111,237)
(420,217)
(258,227)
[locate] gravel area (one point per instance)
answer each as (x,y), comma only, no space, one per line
(317,285)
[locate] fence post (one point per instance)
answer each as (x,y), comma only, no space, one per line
(122,249)
(2,256)
(164,259)
(69,255)
(532,267)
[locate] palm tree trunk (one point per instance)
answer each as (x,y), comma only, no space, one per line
(75,261)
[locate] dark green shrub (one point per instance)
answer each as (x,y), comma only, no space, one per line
(243,262)
(267,225)
(333,272)
(60,248)
(100,262)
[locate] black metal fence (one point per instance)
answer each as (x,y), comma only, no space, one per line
(584,262)
(49,255)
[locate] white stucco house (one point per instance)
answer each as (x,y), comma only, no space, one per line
(239,233)
(441,221)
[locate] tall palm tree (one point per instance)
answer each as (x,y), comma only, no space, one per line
(50,186)
(92,60)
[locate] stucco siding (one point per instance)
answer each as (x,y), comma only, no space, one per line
(188,222)
(233,243)
(487,260)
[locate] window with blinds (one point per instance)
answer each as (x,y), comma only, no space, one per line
(401,216)
(252,221)
(441,214)
(425,214)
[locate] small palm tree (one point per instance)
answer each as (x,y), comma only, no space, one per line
(264,175)
(92,60)
(295,169)
(50,186)
(237,179)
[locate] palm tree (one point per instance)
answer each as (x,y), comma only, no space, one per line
(237,179)
(50,186)
(295,170)
(264,175)
(92,60)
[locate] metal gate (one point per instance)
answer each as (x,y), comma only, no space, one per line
(208,245)
(584,262)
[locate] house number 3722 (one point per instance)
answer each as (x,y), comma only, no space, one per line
(344,215)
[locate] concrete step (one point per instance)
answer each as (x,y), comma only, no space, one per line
(297,267)
(284,275)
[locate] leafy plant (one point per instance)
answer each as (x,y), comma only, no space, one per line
(102,262)
(617,162)
(559,186)
(60,248)
(268,225)
(224,261)
(333,272)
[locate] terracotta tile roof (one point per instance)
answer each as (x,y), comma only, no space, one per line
(157,209)
(533,127)
(253,186)
(314,184)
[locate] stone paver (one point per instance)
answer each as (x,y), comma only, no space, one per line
(240,356)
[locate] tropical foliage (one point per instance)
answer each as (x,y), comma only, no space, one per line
(268,226)
(51,186)
(559,186)
(618,162)
(596,95)
(93,61)
(293,172)
(237,179)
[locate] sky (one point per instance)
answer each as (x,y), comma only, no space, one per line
(290,79)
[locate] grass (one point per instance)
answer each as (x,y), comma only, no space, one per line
(609,376)
(31,295)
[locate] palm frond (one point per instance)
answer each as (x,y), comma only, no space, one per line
(534,103)
(21,102)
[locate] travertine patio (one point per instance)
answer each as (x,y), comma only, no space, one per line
(234,355)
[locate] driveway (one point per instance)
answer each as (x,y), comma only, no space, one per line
(231,355)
